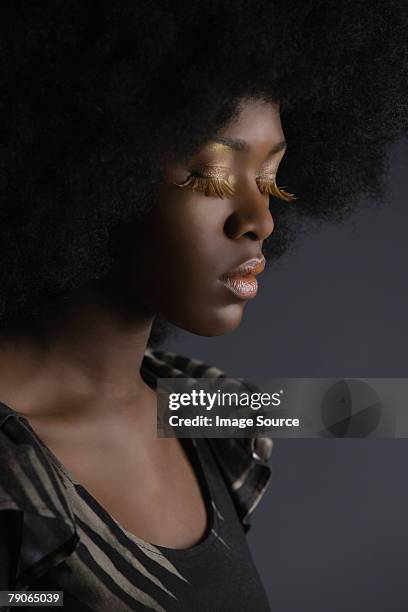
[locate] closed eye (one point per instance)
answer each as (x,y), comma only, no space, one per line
(211,181)
(215,181)
(267,186)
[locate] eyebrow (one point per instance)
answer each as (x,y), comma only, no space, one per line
(238,144)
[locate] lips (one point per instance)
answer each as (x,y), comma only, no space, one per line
(242,280)
(251,266)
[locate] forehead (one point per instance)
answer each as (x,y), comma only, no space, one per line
(257,122)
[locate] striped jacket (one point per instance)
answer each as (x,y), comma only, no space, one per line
(30,484)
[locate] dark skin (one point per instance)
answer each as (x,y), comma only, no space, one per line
(82,391)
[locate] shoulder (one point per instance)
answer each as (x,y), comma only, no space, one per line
(33,499)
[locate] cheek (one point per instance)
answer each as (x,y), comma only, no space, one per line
(187,252)
(188,236)
(183,253)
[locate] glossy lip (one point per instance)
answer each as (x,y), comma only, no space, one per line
(251,266)
(242,279)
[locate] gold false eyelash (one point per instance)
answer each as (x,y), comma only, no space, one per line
(216,183)
(219,184)
(268,186)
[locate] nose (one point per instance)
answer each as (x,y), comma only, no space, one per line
(250,216)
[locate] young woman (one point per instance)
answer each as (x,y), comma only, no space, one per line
(142,144)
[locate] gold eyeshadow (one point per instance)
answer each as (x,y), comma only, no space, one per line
(218,147)
(214,172)
(266,181)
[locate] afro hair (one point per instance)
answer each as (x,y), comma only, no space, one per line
(94,93)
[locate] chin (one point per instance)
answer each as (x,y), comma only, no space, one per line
(222,321)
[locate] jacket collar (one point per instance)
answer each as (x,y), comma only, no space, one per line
(243,461)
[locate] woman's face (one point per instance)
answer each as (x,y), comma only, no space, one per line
(194,237)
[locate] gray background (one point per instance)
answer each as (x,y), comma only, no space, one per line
(331,532)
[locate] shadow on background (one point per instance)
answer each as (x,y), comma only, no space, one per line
(331,532)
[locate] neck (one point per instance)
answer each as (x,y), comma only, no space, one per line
(91,359)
